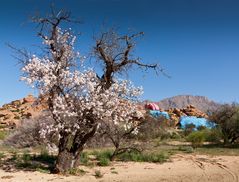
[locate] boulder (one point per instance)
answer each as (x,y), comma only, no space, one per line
(29,99)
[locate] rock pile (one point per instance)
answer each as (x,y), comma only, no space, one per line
(190,110)
(11,114)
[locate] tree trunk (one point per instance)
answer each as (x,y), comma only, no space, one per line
(226,141)
(69,157)
(67,160)
(115,153)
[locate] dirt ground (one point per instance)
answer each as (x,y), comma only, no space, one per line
(184,168)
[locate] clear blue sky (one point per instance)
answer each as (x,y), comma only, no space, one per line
(196,41)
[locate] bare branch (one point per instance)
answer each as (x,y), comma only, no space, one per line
(116,54)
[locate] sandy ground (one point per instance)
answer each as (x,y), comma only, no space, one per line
(185,168)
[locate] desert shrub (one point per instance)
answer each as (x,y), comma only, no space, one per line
(98,174)
(103,157)
(27,135)
(227,117)
(153,128)
(196,138)
(213,135)
(103,154)
(104,162)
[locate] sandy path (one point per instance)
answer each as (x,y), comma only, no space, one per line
(185,168)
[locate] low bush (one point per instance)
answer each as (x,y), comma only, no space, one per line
(156,128)
(103,157)
(196,138)
(98,174)
(28,134)
(104,162)
(227,117)
(213,135)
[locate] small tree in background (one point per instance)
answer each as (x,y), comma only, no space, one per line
(81,101)
(227,117)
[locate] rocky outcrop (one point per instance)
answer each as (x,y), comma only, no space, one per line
(190,110)
(11,114)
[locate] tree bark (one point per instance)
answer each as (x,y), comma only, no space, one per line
(67,160)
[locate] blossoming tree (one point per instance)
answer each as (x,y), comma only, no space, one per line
(80,101)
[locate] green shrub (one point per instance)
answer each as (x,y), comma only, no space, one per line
(103,157)
(196,138)
(104,162)
(98,174)
(103,154)
(214,135)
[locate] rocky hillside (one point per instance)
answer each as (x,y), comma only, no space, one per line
(182,101)
(12,113)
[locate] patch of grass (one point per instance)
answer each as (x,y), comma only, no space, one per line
(98,174)
(42,163)
(84,158)
(103,157)
(103,154)
(76,171)
(104,162)
(216,150)
(144,157)
(186,149)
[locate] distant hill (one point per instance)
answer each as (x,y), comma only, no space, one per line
(181,101)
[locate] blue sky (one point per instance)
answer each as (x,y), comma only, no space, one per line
(196,41)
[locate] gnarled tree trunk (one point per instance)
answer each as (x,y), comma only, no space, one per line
(67,160)
(69,157)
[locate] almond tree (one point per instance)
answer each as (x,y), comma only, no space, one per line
(79,100)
